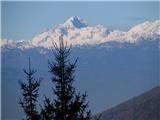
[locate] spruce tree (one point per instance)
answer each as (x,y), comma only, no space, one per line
(30,94)
(68,104)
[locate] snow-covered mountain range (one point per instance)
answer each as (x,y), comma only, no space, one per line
(77,32)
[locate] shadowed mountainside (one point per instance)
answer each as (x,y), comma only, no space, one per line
(143,107)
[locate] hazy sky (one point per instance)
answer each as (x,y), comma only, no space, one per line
(24,20)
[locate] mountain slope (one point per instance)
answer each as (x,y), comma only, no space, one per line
(143,107)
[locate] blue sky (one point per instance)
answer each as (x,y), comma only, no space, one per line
(24,20)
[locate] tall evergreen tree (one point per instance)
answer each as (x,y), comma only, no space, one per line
(30,94)
(67,105)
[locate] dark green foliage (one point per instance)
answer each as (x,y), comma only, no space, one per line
(47,110)
(67,105)
(30,94)
(97,117)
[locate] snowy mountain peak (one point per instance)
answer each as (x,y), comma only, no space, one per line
(148,29)
(75,22)
(147,26)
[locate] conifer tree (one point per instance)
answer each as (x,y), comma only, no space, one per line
(30,94)
(68,104)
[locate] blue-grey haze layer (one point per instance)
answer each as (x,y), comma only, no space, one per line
(109,75)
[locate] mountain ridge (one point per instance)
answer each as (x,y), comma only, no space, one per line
(76,31)
(143,107)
